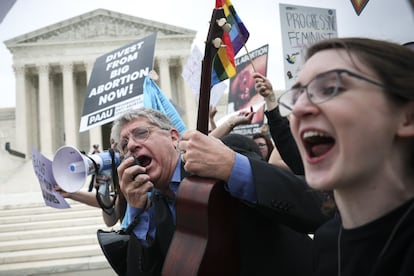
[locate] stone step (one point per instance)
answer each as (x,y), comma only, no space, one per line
(40,208)
(52,232)
(91,266)
(61,223)
(89,272)
(23,218)
(26,200)
(47,242)
(57,253)
(40,240)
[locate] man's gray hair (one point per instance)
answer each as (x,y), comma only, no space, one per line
(153,116)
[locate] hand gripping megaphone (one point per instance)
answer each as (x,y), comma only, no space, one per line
(71,167)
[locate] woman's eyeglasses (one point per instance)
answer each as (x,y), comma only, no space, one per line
(322,88)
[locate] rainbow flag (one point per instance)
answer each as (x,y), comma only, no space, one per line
(223,64)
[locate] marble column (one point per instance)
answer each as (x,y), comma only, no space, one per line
(22,132)
(95,133)
(70,117)
(45,112)
(165,80)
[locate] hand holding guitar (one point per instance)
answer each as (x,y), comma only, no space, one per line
(201,160)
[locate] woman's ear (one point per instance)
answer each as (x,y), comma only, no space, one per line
(406,128)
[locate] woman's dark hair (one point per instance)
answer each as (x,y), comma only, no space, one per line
(393,63)
(409,45)
(269,143)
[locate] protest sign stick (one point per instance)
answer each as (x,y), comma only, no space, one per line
(250,58)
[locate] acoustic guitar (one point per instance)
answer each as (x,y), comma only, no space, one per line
(206,239)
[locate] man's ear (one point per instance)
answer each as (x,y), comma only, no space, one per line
(175,136)
(406,128)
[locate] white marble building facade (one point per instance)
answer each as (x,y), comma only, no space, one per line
(52,66)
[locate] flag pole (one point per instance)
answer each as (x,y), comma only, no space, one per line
(250,58)
(244,45)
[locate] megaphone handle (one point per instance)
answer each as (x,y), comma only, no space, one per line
(115,179)
(91,183)
(104,206)
(93,176)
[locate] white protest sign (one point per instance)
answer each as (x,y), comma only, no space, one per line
(301,27)
(116,83)
(192,71)
(192,76)
(43,170)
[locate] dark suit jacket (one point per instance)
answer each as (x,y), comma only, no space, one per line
(274,233)
(286,197)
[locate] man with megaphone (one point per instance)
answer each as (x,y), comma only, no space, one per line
(70,182)
(149,175)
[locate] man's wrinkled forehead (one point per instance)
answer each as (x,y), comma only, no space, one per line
(133,124)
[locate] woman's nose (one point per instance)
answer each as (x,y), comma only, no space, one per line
(304,106)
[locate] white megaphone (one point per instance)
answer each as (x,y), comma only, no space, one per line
(71,167)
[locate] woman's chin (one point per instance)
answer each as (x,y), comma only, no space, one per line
(319,182)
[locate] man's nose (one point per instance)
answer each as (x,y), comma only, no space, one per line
(133,145)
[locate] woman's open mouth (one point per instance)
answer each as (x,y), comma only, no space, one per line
(317,143)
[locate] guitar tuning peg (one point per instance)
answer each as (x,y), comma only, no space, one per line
(221,22)
(217,42)
(227,27)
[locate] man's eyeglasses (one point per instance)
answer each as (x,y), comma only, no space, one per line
(322,88)
(139,135)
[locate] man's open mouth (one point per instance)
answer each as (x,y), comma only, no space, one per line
(143,160)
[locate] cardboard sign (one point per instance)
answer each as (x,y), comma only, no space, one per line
(301,27)
(42,167)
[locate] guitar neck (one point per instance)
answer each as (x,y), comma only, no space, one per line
(204,100)
(214,31)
